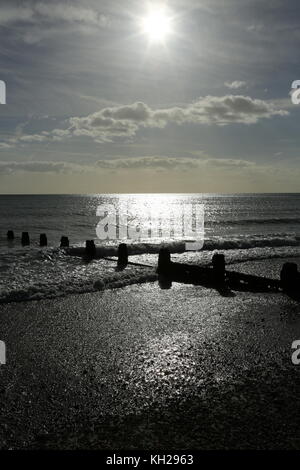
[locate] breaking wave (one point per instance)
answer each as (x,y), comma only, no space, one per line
(33,273)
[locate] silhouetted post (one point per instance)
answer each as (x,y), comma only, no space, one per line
(289,277)
(43,239)
(218,262)
(165,282)
(122,255)
(164,260)
(90,248)
(10,235)
(64,242)
(25,240)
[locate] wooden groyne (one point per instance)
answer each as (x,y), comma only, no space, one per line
(25,240)
(43,241)
(64,242)
(214,275)
(217,276)
(10,235)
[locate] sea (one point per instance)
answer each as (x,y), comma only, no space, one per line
(245,227)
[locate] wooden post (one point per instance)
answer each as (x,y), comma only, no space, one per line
(122,255)
(164,260)
(64,242)
(90,248)
(218,262)
(25,240)
(165,282)
(43,239)
(10,235)
(289,277)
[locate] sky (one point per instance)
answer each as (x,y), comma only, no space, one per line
(96,103)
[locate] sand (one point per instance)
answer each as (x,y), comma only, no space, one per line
(145,368)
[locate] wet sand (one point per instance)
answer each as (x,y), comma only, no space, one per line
(145,368)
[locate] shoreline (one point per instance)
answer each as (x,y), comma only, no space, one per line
(141,368)
(135,274)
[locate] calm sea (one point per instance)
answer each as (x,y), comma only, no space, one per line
(252,226)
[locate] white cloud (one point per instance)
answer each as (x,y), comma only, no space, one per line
(235,85)
(124,121)
(54,12)
(5,145)
(255,27)
(32,138)
(69,13)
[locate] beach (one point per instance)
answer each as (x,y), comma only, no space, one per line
(100,357)
(139,367)
(149,229)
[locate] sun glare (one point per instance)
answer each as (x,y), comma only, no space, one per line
(157,25)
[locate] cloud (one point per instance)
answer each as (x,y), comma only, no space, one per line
(44,13)
(255,27)
(10,14)
(229,163)
(235,85)
(148,162)
(4,145)
(37,21)
(69,13)
(40,167)
(32,138)
(152,162)
(138,163)
(167,174)
(125,121)
(174,163)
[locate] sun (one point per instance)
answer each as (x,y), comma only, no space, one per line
(156,25)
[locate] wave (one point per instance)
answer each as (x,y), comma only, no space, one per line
(33,273)
(254,221)
(220,243)
(251,242)
(50,291)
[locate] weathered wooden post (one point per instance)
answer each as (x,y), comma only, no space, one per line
(164,260)
(90,248)
(218,263)
(25,240)
(64,242)
(43,239)
(10,235)
(163,269)
(289,277)
(165,282)
(122,255)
